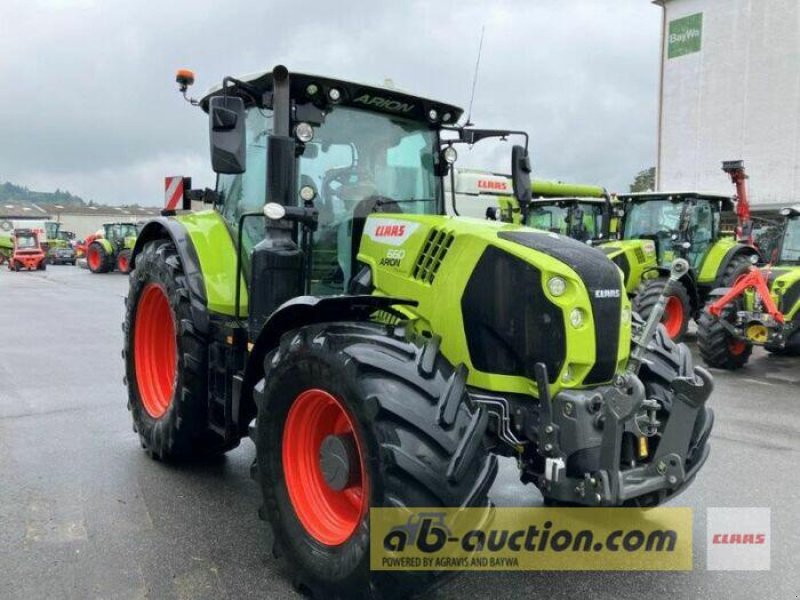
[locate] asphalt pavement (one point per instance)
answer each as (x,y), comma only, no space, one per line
(84,513)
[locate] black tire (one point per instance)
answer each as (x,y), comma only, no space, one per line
(647,297)
(106,260)
(666,360)
(738,266)
(182,431)
(42,266)
(410,458)
(124,261)
(718,347)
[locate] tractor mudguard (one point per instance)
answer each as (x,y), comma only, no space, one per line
(736,250)
(107,246)
(308,310)
(164,228)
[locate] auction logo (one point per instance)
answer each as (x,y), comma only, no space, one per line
(530,539)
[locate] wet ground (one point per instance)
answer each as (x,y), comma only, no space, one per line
(85,514)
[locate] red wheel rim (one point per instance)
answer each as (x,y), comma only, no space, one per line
(737,347)
(328,515)
(123,263)
(93,257)
(673,316)
(154,350)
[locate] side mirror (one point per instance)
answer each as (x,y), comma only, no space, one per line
(521,177)
(227,134)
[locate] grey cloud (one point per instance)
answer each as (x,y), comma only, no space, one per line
(89,102)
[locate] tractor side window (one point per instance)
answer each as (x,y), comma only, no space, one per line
(246,192)
(701,231)
(790,252)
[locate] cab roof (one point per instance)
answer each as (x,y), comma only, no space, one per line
(359,95)
(726,200)
(581,199)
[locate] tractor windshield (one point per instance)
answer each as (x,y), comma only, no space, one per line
(652,218)
(549,218)
(119,231)
(790,249)
(52,228)
(358,162)
(579,220)
(26,242)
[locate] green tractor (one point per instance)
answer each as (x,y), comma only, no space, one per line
(378,352)
(112,250)
(658,227)
(762,308)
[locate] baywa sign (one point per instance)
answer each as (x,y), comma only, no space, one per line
(685,35)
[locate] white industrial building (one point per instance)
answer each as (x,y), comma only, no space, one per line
(729,90)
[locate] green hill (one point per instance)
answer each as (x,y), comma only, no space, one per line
(16,194)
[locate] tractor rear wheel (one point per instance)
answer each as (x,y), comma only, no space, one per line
(677,310)
(718,347)
(353,416)
(97,259)
(166,360)
(124,261)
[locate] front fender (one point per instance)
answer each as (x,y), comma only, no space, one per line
(302,311)
(163,228)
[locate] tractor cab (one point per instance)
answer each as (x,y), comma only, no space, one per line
(679,224)
(117,233)
(789,252)
(348,151)
(583,219)
(28,253)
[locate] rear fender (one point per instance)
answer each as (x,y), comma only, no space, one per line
(162,228)
(107,246)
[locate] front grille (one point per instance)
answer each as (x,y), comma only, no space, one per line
(598,275)
(432,255)
(639,253)
(509,322)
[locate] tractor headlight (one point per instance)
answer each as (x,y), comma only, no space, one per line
(450,155)
(557,286)
(304,132)
(432,114)
(576,317)
(274,211)
(334,95)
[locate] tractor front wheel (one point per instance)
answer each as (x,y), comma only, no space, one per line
(124,261)
(166,360)
(97,259)
(719,347)
(350,416)
(677,310)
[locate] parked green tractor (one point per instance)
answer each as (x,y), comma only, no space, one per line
(379,352)
(761,309)
(658,227)
(113,250)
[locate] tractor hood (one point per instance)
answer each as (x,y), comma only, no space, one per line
(505,297)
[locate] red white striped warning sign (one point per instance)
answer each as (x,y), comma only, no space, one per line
(173,192)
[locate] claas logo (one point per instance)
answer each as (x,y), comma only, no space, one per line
(492,184)
(390,230)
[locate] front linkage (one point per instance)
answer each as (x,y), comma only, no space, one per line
(576,422)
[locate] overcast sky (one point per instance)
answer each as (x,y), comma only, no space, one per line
(88,100)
